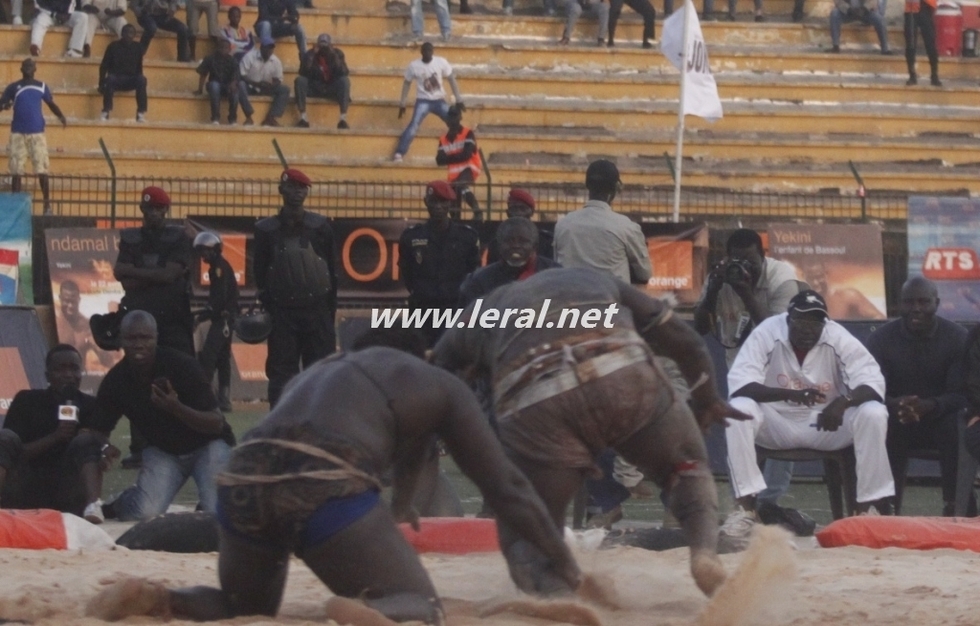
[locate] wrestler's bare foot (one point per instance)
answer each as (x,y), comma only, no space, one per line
(348,611)
(708,572)
(132,596)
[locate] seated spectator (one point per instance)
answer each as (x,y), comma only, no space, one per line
(517,240)
(644,8)
(520,203)
(323,73)
(261,74)
(864,11)
(165,394)
(807,383)
(219,72)
(194,8)
(442,17)
(921,357)
(241,39)
(159,14)
(59,13)
(708,14)
(574,9)
(279,18)
(122,70)
(107,14)
(50,458)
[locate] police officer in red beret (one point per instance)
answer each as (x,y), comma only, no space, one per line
(295,272)
(435,257)
(520,203)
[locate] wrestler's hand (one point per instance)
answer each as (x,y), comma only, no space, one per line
(718,413)
(832,416)
(408,515)
(534,573)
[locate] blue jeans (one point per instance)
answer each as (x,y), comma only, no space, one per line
(422,109)
(442,15)
(162,476)
(215,91)
(777,475)
(276,30)
(838,18)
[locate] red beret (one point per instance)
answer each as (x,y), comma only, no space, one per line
(296,176)
(520,195)
(154,196)
(440,189)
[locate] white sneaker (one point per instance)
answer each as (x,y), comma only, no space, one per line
(871,512)
(739,524)
(93,512)
(397,158)
(104,117)
(73,54)
(141,117)
(18,21)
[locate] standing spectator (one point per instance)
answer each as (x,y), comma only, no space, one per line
(435,257)
(644,8)
(594,236)
(279,18)
(458,152)
(219,72)
(159,14)
(574,10)
(58,13)
(921,357)
(442,16)
(153,267)
(709,7)
(741,291)
(865,11)
(261,74)
(194,8)
(323,74)
(49,456)
(296,277)
(919,15)
(807,383)
(107,14)
(162,392)
(122,70)
(27,128)
(520,203)
(430,95)
(222,309)
(242,41)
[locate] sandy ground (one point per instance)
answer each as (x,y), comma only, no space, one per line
(834,586)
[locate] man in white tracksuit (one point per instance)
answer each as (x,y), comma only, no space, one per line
(807,383)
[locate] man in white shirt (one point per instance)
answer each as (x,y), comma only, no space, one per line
(261,72)
(57,13)
(807,383)
(430,95)
(109,14)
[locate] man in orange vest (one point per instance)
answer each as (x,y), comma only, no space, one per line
(458,151)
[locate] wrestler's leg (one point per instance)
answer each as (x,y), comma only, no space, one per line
(671,451)
(252,576)
(370,559)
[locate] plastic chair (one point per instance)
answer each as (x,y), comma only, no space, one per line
(839,473)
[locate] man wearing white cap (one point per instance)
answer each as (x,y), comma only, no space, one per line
(323,73)
(807,383)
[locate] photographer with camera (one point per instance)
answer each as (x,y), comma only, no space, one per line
(864,11)
(741,291)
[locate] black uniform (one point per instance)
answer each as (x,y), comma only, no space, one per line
(297,280)
(434,264)
(170,303)
(221,312)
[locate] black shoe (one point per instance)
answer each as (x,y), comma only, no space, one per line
(303,124)
(760,18)
(797,16)
(800,524)
(935,82)
(912,81)
(834,50)
(342,124)
(647,44)
(133,461)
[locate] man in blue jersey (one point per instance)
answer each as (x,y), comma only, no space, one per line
(27,127)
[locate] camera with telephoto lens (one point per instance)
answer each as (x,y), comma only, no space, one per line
(738,271)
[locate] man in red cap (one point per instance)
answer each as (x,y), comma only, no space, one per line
(435,257)
(295,272)
(520,203)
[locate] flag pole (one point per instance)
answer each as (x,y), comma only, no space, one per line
(678,158)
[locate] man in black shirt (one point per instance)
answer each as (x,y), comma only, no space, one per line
(152,266)
(222,310)
(297,281)
(435,257)
(323,73)
(164,393)
(49,456)
(122,70)
(219,71)
(921,357)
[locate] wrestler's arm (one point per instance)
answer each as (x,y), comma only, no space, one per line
(480,456)
(406,473)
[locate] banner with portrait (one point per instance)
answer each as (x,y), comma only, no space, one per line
(842,262)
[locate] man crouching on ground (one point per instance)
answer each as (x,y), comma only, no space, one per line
(306,480)
(564,391)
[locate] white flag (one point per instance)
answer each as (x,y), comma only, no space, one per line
(700,90)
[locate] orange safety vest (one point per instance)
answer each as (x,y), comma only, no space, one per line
(448,148)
